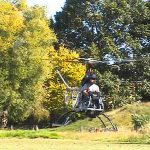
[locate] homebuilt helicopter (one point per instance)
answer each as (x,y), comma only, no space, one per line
(93,107)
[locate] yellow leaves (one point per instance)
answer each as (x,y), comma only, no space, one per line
(30,41)
(21,4)
(10,18)
(11,23)
(16,22)
(38,33)
(66,62)
(38,26)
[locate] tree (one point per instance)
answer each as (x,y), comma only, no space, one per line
(30,87)
(36,39)
(118,28)
(112,25)
(25,41)
(62,60)
(108,29)
(11,25)
(20,4)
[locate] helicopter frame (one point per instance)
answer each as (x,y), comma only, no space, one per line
(91,108)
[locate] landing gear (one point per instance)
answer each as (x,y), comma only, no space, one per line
(91,106)
(112,127)
(65,119)
(71,116)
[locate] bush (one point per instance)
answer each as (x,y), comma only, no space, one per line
(139,121)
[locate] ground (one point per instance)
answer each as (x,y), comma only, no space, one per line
(65,144)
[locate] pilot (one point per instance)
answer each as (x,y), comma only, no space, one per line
(90,87)
(86,78)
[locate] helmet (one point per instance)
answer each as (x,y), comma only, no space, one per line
(93,76)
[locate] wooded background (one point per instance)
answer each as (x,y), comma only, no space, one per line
(33,47)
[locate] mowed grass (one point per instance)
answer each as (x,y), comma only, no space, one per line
(64,144)
(122,117)
(122,136)
(71,137)
(29,134)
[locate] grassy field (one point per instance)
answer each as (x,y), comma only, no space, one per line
(123,136)
(72,138)
(122,117)
(64,144)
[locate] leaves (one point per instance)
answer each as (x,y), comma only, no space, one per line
(110,30)
(11,23)
(62,60)
(29,85)
(23,46)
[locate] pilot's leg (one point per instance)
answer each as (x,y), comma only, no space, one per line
(85,98)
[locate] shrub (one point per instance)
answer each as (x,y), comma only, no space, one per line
(139,121)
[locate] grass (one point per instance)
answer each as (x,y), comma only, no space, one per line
(110,137)
(28,134)
(122,117)
(67,144)
(103,137)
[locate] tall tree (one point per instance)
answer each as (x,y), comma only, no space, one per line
(29,85)
(11,24)
(24,42)
(109,29)
(118,28)
(72,72)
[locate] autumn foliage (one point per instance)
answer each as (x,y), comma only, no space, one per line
(30,87)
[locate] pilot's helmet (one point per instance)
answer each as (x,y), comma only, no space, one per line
(93,76)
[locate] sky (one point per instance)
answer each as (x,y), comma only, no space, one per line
(52,5)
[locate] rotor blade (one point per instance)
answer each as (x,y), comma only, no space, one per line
(92,61)
(125,61)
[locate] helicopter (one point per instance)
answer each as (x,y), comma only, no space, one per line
(94,107)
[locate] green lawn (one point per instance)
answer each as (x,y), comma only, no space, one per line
(66,144)
(71,138)
(123,136)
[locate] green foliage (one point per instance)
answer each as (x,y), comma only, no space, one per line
(139,121)
(29,134)
(109,24)
(116,92)
(110,30)
(30,87)
(72,73)
(24,42)
(144,90)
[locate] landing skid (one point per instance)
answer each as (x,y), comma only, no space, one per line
(69,117)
